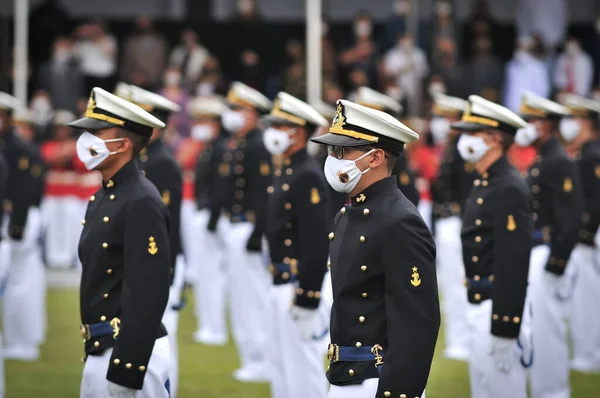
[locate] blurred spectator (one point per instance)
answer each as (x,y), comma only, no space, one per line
(246,12)
(48,20)
(545,17)
(479,24)
(60,150)
(251,73)
(407,65)
(179,123)
(574,69)
(61,77)
(97,53)
(144,55)
(211,79)
(484,72)
(294,76)
(397,25)
(328,54)
(443,30)
(524,72)
(448,68)
(539,48)
(363,53)
(190,56)
(357,78)
(331,92)
(591,45)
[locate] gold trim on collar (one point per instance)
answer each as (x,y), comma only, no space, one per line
(529,111)
(353,134)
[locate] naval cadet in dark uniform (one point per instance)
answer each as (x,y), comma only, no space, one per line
(245,173)
(125,256)
(581,136)
(558,207)
(159,165)
(496,243)
(405,176)
(23,299)
(297,225)
(385,316)
(208,254)
(449,191)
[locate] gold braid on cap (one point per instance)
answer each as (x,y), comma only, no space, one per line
(467,117)
(278,113)
(529,111)
(337,128)
(89,113)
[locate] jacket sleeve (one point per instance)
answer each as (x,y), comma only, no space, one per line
(512,237)
(171,192)
(406,183)
(145,291)
(590,176)
(260,179)
(567,209)
(313,228)
(21,190)
(412,308)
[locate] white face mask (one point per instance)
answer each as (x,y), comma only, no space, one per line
(233,121)
(362,29)
(439,127)
(277,141)
(343,174)
(526,136)
(202,132)
(472,148)
(92,150)
(572,48)
(569,129)
(436,88)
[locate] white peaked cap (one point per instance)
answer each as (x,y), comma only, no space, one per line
(24,115)
(445,105)
(290,110)
(106,110)
(8,102)
(482,114)
(581,106)
(241,95)
(210,106)
(357,125)
(123,90)
(532,105)
(150,101)
(326,110)
(62,117)
(374,99)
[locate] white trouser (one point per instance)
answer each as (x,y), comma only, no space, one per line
(171,321)
(209,275)
(584,328)
(325,309)
(95,385)
(550,369)
(425,208)
(451,277)
(187,232)
(24,318)
(367,389)
(62,217)
(297,367)
(249,283)
(487,381)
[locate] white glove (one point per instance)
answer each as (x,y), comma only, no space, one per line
(504,353)
(118,391)
(305,321)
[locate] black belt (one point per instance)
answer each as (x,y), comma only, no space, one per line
(100,329)
(284,272)
(336,353)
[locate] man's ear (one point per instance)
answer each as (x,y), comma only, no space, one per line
(377,159)
(126,145)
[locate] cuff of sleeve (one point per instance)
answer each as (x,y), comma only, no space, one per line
(506,326)
(556,265)
(307,299)
(587,237)
(16,231)
(126,374)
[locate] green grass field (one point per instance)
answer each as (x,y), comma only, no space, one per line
(204,371)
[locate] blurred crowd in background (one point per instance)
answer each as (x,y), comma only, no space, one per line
(545,56)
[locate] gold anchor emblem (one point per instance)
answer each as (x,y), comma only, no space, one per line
(378,357)
(567,185)
(404,178)
(166,197)
(361,198)
(511,225)
(416,278)
(152,248)
(315,198)
(115,323)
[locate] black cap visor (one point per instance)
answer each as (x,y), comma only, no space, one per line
(340,140)
(87,123)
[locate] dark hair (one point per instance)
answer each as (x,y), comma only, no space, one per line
(139,141)
(392,158)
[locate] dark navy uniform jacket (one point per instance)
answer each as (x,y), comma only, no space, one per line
(589,168)
(297,226)
(384,290)
(206,174)
(496,243)
(125,257)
